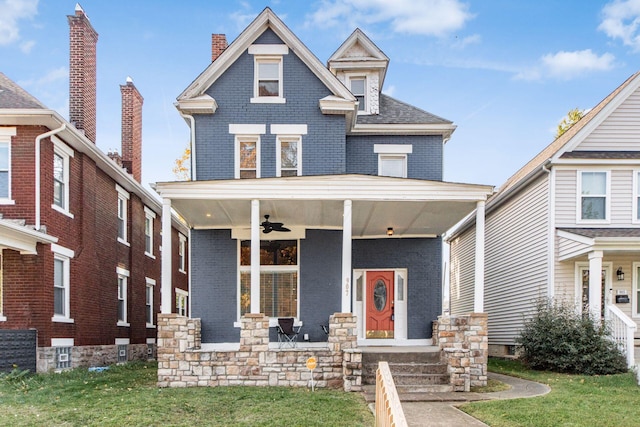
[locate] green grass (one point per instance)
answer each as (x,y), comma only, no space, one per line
(127,395)
(574,400)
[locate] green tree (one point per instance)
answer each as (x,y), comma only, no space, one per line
(570,119)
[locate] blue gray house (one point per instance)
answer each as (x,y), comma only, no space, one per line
(312,193)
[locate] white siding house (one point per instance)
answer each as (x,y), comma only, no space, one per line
(572,209)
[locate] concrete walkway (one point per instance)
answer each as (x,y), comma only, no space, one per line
(441,410)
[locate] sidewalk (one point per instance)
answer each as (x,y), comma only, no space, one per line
(441,412)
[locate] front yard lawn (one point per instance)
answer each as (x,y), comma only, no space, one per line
(574,400)
(127,395)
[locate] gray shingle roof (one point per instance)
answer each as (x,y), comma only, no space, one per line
(393,111)
(601,155)
(603,232)
(13,96)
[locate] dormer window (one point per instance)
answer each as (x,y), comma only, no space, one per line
(268,73)
(358,89)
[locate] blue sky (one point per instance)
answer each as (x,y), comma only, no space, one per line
(505,72)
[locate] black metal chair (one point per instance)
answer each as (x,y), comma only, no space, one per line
(287,332)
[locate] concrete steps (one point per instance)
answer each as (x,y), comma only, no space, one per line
(419,376)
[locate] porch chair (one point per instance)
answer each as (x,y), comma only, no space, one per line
(287,333)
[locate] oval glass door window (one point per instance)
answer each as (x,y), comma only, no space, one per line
(380,295)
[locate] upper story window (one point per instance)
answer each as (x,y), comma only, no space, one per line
(392,159)
(5,164)
(61,158)
(593,194)
(247,149)
(288,148)
(149,216)
(61,283)
(359,90)
(123,202)
(636,196)
(268,73)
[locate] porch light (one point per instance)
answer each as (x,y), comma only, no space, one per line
(390,231)
(620,273)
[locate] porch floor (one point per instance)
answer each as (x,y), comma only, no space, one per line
(400,349)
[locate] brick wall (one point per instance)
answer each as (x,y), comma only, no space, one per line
(181,363)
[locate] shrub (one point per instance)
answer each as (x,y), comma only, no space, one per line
(559,339)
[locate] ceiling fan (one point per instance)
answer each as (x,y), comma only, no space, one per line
(272,226)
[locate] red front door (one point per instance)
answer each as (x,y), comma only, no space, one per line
(379,311)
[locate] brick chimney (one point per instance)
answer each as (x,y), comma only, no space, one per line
(218,45)
(132,129)
(82,73)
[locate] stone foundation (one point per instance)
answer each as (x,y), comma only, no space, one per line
(90,355)
(463,340)
(182,363)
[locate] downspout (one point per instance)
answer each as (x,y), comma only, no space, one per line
(37,156)
(192,142)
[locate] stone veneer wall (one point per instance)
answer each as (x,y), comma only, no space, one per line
(182,363)
(464,342)
(90,355)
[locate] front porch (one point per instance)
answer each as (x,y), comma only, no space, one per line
(182,361)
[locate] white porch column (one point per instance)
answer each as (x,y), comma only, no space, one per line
(166,297)
(595,283)
(346,257)
(255,256)
(478,297)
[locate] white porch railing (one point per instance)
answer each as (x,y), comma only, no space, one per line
(622,332)
(389,411)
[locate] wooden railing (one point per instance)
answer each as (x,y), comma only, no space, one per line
(622,332)
(388,408)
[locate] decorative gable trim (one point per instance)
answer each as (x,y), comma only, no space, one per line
(203,104)
(266,19)
(268,49)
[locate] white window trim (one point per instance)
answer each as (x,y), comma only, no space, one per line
(64,254)
(257,99)
(62,342)
(269,268)
(393,148)
(607,196)
(150,283)
(124,196)
(180,293)
(122,341)
(182,248)
(66,153)
(149,215)
(365,77)
(237,140)
(288,138)
(5,138)
(607,267)
(635,197)
(384,156)
(123,274)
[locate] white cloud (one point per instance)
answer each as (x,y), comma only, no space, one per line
(12,11)
(425,17)
(620,20)
(466,41)
(244,16)
(27,46)
(567,65)
(52,76)
(389,90)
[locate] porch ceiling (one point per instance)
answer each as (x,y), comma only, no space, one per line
(411,207)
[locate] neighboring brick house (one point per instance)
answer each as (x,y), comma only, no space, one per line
(572,210)
(312,192)
(80,237)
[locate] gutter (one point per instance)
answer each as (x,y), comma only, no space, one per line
(502,197)
(39,138)
(192,142)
